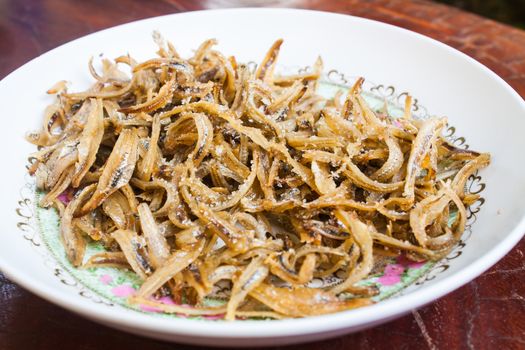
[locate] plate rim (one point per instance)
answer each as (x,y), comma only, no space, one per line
(380,312)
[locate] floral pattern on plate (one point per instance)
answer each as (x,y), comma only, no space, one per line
(113,286)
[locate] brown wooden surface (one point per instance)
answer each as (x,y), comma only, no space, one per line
(488,313)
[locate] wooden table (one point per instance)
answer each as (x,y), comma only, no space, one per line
(488,313)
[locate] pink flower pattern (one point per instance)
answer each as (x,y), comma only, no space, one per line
(66,196)
(106,279)
(123,291)
(393,272)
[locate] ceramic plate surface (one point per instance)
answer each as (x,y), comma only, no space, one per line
(483,111)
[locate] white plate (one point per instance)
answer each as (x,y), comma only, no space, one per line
(481,107)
